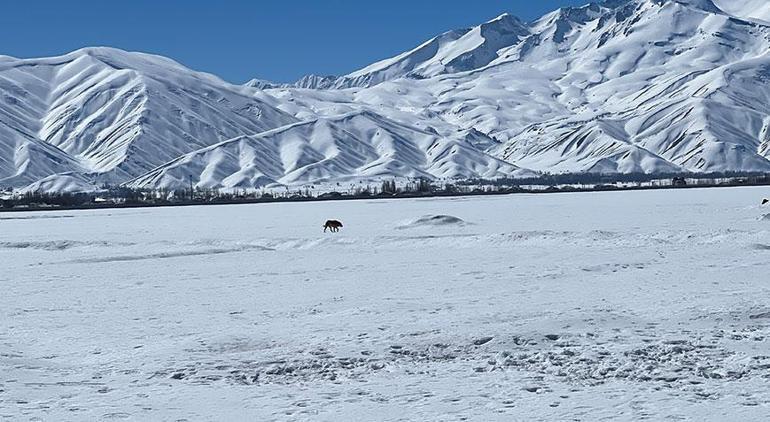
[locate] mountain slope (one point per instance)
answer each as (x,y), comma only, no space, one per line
(453,51)
(755,10)
(649,85)
(683,81)
(693,94)
(117,114)
(356,145)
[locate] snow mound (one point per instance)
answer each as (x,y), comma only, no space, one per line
(434,221)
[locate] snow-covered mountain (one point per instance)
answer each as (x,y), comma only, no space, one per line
(115,115)
(619,86)
(360,144)
(672,83)
(101,115)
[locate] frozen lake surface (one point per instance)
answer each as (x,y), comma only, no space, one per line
(590,306)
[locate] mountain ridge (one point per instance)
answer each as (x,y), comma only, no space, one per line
(363,77)
(620,86)
(359,145)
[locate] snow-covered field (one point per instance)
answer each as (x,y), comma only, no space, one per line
(592,306)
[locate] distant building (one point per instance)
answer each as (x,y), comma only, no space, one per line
(679,182)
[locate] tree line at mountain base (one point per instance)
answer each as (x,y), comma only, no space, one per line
(111,197)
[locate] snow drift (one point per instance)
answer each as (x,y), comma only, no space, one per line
(433,221)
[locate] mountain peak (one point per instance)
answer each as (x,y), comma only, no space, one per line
(505,23)
(261,84)
(507,18)
(122,58)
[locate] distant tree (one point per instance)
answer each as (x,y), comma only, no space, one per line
(389,186)
(424,185)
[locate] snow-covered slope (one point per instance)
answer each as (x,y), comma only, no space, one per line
(757,10)
(624,85)
(453,51)
(680,80)
(115,114)
(356,145)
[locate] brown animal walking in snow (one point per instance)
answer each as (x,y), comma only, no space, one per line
(333,225)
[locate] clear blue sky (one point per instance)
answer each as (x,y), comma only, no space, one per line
(279,40)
